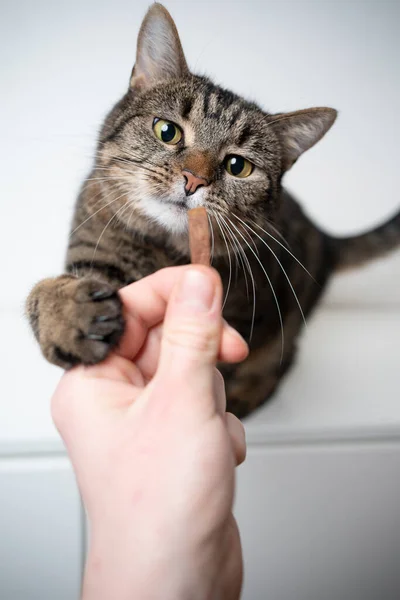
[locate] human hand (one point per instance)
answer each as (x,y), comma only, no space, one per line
(154,451)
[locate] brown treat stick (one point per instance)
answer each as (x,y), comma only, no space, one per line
(199,236)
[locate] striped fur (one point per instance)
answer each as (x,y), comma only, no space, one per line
(131,219)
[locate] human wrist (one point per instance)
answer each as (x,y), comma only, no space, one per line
(118,567)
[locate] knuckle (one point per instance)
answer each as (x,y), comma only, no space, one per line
(219,379)
(200,338)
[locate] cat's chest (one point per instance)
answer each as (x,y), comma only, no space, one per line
(145,259)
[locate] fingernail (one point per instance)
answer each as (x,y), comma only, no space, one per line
(196,290)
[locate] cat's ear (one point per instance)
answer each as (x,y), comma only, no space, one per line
(298,131)
(159,55)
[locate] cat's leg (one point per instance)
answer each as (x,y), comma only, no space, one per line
(75,319)
(252,383)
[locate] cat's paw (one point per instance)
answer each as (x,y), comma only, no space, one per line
(97,317)
(80,321)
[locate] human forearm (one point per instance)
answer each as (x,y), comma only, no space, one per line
(115,570)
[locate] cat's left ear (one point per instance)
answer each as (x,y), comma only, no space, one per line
(298,131)
(159,55)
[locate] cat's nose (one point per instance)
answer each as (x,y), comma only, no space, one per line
(192,182)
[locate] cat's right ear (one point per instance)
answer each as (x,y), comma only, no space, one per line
(298,131)
(159,55)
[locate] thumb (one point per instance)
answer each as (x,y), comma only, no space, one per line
(192,329)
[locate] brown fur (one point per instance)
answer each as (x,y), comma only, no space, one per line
(131,219)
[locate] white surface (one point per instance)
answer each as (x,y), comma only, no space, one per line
(321,524)
(40,525)
(345,383)
(375,285)
(28,382)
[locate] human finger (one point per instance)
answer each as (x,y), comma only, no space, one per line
(238,437)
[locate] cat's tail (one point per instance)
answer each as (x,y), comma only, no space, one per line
(354,251)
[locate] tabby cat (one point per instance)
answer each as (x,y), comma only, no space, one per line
(173,142)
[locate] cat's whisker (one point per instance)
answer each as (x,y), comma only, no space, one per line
(112,169)
(121,163)
(229,257)
(92,215)
(249,238)
(237,265)
(137,165)
(270,284)
(124,172)
(101,179)
(250,271)
(281,266)
(274,229)
(120,210)
(212,238)
(99,193)
(237,248)
(127,225)
(124,178)
(282,246)
(106,177)
(116,162)
(128,158)
(115,184)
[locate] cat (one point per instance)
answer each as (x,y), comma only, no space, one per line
(173,142)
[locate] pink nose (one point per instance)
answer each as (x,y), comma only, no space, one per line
(192,182)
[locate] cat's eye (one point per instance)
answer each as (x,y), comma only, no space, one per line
(167,132)
(238,166)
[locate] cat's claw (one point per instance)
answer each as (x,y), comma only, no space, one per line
(85,322)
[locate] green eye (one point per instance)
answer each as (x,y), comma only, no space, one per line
(167,132)
(238,166)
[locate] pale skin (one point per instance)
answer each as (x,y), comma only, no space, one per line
(154,451)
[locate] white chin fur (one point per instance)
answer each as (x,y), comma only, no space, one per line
(172,218)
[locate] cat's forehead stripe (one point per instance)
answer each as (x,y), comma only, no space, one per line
(187,106)
(213,102)
(244,135)
(216,100)
(221,106)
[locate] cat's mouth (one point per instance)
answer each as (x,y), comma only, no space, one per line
(182,204)
(170,211)
(178,203)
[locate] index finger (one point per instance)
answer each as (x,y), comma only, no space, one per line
(145,302)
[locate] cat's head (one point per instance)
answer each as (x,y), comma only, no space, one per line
(177,141)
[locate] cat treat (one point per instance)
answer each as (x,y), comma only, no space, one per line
(199,236)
